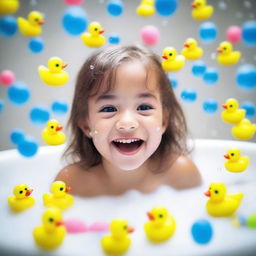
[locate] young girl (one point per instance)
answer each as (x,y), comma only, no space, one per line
(129,131)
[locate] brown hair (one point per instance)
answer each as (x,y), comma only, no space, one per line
(100,68)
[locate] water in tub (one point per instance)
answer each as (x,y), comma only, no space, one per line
(187,206)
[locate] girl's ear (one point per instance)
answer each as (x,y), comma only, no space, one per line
(82,124)
(165,121)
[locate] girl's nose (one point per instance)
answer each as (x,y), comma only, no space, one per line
(127,124)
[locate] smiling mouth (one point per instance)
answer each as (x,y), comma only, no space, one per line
(128,148)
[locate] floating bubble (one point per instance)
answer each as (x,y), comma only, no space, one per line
(73,2)
(202,231)
(189,95)
(39,115)
(250,109)
(251,221)
(115,7)
(28,147)
(114,39)
(36,45)
(2,105)
(7,77)
(210,106)
(75,21)
(208,32)
(249,33)
(18,93)
(17,136)
(210,76)
(234,34)
(246,77)
(150,35)
(8,26)
(59,107)
(166,7)
(222,5)
(198,68)
(173,81)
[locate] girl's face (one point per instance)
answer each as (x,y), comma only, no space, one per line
(126,124)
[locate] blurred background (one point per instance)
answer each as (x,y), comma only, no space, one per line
(201,87)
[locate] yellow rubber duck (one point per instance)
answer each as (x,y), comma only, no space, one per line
(9,6)
(232,114)
(161,225)
(51,234)
(118,242)
(54,75)
(220,204)
(59,197)
(21,200)
(172,61)
(146,8)
(93,37)
(32,26)
(201,11)
(226,55)
(52,134)
(236,162)
(191,50)
(244,130)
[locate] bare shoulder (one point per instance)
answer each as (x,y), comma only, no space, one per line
(183,173)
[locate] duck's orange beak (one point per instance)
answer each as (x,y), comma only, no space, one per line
(59,128)
(59,223)
(193,5)
(219,50)
(41,22)
(64,65)
(150,216)
(101,31)
(186,45)
(67,189)
(28,193)
(224,106)
(164,57)
(227,156)
(208,193)
(130,230)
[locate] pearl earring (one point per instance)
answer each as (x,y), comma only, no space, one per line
(91,133)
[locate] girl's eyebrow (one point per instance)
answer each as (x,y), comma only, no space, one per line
(112,97)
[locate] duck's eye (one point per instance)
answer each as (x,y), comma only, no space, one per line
(224,48)
(25,188)
(125,227)
(232,154)
(36,19)
(170,54)
(231,106)
(51,219)
(61,188)
(96,29)
(57,65)
(52,126)
(216,191)
(160,216)
(21,191)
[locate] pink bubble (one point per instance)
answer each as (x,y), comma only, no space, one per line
(150,35)
(73,2)
(233,34)
(7,77)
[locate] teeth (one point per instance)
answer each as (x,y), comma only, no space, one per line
(126,141)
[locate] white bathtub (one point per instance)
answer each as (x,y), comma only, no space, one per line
(186,206)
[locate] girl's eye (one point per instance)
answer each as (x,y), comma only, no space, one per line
(144,107)
(108,109)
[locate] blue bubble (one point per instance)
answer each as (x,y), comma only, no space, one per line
(249,33)
(250,109)
(173,81)
(210,106)
(202,231)
(18,93)
(198,68)
(39,115)
(75,21)
(188,95)
(115,7)
(28,147)
(166,7)
(2,104)
(36,45)
(208,32)
(8,26)
(114,39)
(17,136)
(59,107)
(246,77)
(210,76)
